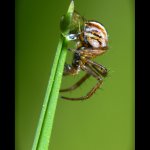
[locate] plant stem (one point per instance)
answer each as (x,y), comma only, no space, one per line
(44,128)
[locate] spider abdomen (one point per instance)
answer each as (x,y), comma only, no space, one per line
(95,34)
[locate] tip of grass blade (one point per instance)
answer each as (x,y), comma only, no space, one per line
(66,20)
(71,7)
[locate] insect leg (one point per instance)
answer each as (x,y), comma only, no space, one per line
(98,67)
(93,90)
(77,84)
(91,53)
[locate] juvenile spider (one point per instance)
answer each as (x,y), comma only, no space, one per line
(91,42)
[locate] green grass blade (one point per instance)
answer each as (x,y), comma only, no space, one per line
(44,138)
(44,129)
(47,95)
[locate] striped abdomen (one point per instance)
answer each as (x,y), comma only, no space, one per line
(95,34)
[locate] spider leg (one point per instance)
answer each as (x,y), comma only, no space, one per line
(93,90)
(91,53)
(69,70)
(88,52)
(77,84)
(98,67)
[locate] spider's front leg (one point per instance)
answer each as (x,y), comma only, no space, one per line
(98,67)
(91,53)
(70,70)
(73,70)
(77,84)
(90,71)
(87,54)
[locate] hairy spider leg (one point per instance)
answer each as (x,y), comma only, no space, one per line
(77,84)
(91,53)
(93,90)
(88,52)
(98,67)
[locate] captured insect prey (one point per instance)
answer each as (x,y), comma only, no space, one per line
(91,40)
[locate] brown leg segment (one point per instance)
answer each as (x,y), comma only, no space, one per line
(76,85)
(93,90)
(98,67)
(91,53)
(89,94)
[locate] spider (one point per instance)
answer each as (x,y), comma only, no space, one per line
(91,42)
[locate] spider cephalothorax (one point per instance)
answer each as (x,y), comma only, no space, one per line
(91,42)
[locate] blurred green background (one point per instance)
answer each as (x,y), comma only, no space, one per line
(106,121)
